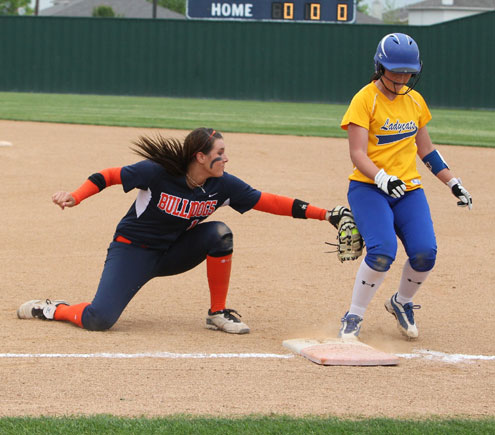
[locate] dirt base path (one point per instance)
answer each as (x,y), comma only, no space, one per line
(283,284)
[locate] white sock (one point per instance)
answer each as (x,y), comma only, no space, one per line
(365,286)
(410,282)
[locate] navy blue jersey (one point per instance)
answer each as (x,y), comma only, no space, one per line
(165,206)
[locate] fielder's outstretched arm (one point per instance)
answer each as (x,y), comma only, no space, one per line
(94,184)
(350,243)
(285,206)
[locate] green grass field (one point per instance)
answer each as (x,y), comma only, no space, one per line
(473,128)
(249,425)
(454,127)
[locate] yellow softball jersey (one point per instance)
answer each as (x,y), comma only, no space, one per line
(392,127)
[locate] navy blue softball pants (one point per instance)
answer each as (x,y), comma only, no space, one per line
(128,267)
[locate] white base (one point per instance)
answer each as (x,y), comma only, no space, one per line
(340,352)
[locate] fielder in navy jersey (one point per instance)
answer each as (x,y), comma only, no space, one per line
(163,233)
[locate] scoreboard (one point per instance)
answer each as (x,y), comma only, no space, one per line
(328,11)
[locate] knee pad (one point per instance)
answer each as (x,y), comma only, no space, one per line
(423,261)
(92,321)
(223,240)
(378,262)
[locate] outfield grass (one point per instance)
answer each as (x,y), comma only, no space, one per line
(248,425)
(454,127)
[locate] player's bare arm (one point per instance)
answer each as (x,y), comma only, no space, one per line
(423,142)
(358,150)
(94,184)
(425,147)
(437,165)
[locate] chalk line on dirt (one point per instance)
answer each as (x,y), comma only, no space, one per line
(169,355)
(446,357)
(424,354)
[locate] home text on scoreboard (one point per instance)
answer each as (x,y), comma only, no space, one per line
(332,11)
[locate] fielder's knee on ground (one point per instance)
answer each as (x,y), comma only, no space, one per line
(94,321)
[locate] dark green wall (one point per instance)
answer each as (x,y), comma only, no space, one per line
(237,60)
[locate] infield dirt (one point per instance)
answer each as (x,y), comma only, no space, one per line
(283,283)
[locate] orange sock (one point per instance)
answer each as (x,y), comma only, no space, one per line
(71,313)
(218,272)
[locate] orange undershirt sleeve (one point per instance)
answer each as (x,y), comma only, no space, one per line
(112,176)
(274,204)
(96,183)
(313,212)
(86,189)
(282,205)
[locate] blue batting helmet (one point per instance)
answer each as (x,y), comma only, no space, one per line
(399,53)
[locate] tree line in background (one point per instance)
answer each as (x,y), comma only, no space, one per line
(178,6)
(23,7)
(15,7)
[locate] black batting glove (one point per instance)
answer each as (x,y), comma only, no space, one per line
(460,193)
(390,184)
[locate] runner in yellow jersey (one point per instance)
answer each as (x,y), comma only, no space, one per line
(386,123)
(392,127)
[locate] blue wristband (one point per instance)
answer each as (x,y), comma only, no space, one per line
(435,162)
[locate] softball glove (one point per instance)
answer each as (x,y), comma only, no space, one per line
(350,243)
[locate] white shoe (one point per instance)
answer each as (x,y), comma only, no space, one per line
(225,321)
(38,309)
(404,315)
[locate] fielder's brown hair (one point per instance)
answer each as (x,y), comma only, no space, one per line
(173,155)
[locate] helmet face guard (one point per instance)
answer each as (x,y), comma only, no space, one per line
(413,81)
(398,53)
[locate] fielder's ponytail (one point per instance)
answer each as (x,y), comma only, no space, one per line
(173,155)
(166,152)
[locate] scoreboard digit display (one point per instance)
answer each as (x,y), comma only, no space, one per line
(316,11)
